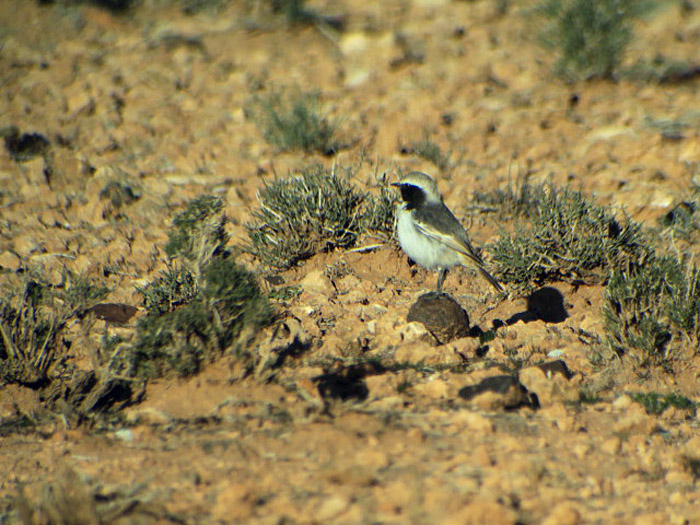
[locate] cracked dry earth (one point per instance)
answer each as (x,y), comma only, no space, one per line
(155,99)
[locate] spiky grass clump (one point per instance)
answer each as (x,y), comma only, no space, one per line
(590,37)
(656,403)
(199,231)
(292,120)
(567,239)
(651,306)
(202,306)
(33,318)
(222,317)
(304,214)
(427,149)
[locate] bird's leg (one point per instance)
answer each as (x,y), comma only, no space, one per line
(441,279)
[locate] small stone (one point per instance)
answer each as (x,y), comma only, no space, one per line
(474,421)
(415,352)
(316,282)
(497,392)
(332,507)
(623,402)
(441,315)
(434,389)
(481,512)
(564,513)
(148,416)
(611,446)
(549,387)
(9,261)
(413,332)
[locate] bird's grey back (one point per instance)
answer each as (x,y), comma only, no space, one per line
(441,217)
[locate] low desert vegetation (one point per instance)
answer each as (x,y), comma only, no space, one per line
(33,318)
(652,311)
(590,38)
(656,403)
(564,237)
(429,150)
(313,211)
(652,298)
(202,306)
(291,119)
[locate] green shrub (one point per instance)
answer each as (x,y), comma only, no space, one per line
(291,120)
(202,306)
(228,309)
(33,317)
(650,306)
(304,214)
(590,37)
(564,237)
(656,403)
(174,287)
(294,11)
(199,231)
(426,149)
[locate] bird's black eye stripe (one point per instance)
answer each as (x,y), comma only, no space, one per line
(412,195)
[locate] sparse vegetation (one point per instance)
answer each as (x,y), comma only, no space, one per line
(683,220)
(656,403)
(661,70)
(294,11)
(426,149)
(567,238)
(590,37)
(292,120)
(33,317)
(313,211)
(200,309)
(649,306)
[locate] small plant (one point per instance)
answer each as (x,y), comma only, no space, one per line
(176,286)
(198,232)
(305,214)
(661,70)
(651,305)
(33,318)
(379,212)
(294,11)
(223,316)
(291,120)
(567,238)
(590,37)
(28,338)
(428,150)
(202,306)
(655,403)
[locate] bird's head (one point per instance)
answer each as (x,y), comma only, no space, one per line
(417,188)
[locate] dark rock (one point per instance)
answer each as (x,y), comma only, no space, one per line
(555,367)
(510,392)
(441,315)
(348,382)
(113,312)
(24,146)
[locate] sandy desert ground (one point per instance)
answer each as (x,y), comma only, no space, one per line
(365,423)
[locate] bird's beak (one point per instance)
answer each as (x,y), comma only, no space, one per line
(395,184)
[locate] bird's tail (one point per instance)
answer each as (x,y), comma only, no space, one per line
(490,278)
(475,261)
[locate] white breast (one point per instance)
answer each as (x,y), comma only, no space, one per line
(422,249)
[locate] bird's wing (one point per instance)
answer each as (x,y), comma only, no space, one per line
(444,228)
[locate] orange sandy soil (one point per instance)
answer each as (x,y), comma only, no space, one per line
(156,98)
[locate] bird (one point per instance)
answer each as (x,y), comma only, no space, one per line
(430,234)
